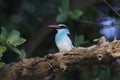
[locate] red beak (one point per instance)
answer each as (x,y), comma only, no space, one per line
(53,26)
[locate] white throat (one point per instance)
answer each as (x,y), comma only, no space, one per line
(62,30)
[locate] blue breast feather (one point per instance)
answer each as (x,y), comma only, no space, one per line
(63,40)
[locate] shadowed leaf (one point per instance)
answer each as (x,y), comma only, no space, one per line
(65,5)
(2,64)
(61,18)
(75,14)
(21,53)
(4,34)
(2,49)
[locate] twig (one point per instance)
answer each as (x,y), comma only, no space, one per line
(83,21)
(88,22)
(111,8)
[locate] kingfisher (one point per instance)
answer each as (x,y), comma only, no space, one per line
(62,38)
(109,28)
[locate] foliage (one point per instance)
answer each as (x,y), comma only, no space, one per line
(105,75)
(65,13)
(11,40)
(79,40)
(118,22)
(2,64)
(28,16)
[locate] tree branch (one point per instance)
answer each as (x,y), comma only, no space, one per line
(111,8)
(34,68)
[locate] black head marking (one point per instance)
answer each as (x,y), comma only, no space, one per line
(62,26)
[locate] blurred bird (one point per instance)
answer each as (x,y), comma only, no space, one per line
(63,38)
(109,28)
(111,31)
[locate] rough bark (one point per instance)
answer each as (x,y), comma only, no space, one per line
(34,68)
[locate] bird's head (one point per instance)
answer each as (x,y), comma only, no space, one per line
(58,27)
(107,21)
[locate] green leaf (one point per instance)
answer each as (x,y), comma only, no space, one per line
(18,41)
(60,10)
(15,39)
(75,14)
(65,5)
(2,64)
(61,18)
(12,36)
(79,40)
(4,34)
(21,53)
(2,49)
(84,72)
(15,49)
(105,75)
(118,22)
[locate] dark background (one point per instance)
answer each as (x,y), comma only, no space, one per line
(32,17)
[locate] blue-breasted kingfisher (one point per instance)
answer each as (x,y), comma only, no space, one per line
(62,38)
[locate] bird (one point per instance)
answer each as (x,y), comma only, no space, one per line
(111,31)
(109,28)
(63,38)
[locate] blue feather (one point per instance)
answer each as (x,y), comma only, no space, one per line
(63,41)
